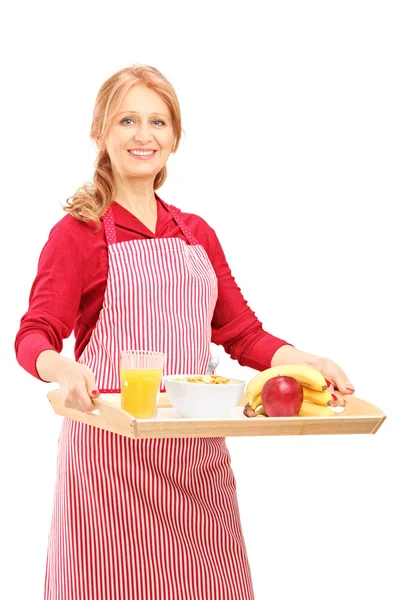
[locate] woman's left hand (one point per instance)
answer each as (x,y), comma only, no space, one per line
(339,383)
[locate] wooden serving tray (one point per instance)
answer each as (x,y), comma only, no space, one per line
(359,416)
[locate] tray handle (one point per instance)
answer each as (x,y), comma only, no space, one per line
(110,417)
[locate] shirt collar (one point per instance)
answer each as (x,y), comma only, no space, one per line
(126,220)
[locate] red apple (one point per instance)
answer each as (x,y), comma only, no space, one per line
(282,396)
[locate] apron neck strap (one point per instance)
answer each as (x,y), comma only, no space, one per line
(109,227)
(185,230)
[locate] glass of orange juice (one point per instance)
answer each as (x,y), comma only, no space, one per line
(141,374)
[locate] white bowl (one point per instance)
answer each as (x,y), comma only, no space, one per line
(203,400)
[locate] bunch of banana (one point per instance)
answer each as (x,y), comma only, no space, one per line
(316,398)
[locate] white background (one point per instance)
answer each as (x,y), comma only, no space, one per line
(291,153)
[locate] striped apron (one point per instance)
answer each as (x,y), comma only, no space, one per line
(147,519)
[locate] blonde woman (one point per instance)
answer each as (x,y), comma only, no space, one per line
(149,519)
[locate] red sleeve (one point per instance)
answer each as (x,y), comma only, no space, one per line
(54,298)
(234,325)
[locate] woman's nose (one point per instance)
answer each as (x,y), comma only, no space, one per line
(142,133)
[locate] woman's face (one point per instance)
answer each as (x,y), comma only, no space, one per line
(143,124)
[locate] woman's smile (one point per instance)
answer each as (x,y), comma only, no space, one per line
(144,154)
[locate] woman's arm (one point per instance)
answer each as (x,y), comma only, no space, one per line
(288,355)
(53,303)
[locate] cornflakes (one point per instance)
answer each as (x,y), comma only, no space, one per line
(209,379)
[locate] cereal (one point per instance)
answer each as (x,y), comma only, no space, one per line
(209,379)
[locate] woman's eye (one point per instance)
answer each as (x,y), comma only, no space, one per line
(155,121)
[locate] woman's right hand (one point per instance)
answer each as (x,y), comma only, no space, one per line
(78,386)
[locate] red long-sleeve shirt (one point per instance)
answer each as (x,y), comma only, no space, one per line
(68,290)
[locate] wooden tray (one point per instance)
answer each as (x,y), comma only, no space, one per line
(359,416)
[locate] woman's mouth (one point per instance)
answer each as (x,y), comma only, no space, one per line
(142,154)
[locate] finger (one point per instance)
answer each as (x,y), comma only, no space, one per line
(91,385)
(337,399)
(342,383)
(78,402)
(331,387)
(338,403)
(345,387)
(87,405)
(81,398)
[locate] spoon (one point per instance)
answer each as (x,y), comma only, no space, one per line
(213,364)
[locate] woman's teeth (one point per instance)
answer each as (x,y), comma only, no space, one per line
(140,153)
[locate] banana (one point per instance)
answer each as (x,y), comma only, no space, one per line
(307,376)
(254,409)
(321,398)
(309,409)
(260,411)
(251,412)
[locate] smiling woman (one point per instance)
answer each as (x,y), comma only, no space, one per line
(145,518)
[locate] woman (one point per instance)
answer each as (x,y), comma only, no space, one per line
(143,519)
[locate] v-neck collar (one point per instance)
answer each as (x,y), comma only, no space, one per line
(126,220)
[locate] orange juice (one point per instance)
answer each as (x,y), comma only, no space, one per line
(139,390)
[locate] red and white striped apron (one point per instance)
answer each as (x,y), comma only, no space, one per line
(147,519)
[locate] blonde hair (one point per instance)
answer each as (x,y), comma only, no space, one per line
(92,199)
